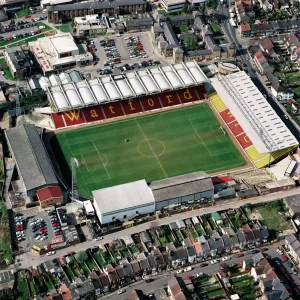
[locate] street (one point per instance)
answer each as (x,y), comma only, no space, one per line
(30,259)
(256,78)
(160,281)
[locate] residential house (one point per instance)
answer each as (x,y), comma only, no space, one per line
(173,226)
(167,259)
(217,218)
(266,5)
(203,219)
(121,275)
(186,19)
(135,268)
(146,240)
(262,270)
(7,283)
(205,246)
(112,275)
(264,232)
(282,94)
(128,240)
(188,223)
(198,250)
(144,264)
(212,247)
(105,282)
(267,47)
(97,283)
(256,232)
(244,11)
(292,244)
(261,63)
(226,243)
(234,241)
(219,242)
(248,264)
(83,287)
(293,202)
(180,224)
(273,289)
(161,265)
(189,249)
(152,263)
(182,255)
(241,239)
(52,266)
(249,236)
(127,268)
(135,295)
(175,260)
(174,290)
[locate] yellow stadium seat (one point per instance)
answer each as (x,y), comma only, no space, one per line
(217,102)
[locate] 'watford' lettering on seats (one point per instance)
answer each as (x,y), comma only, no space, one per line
(187,95)
(169,99)
(112,110)
(235,127)
(244,140)
(150,102)
(227,116)
(73,117)
(132,106)
(93,114)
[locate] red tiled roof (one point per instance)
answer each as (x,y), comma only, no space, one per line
(245,27)
(49,192)
(198,248)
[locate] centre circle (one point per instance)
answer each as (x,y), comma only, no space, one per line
(151,148)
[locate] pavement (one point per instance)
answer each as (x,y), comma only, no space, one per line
(242,54)
(161,280)
(30,259)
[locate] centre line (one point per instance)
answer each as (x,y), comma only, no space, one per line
(101,160)
(151,148)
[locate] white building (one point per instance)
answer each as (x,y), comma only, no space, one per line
(45,3)
(57,52)
(282,94)
(89,208)
(172,4)
(123,201)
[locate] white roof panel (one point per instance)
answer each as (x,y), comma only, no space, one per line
(124,88)
(137,86)
(72,95)
(112,91)
(149,84)
(174,79)
(185,77)
(99,93)
(86,96)
(161,81)
(256,116)
(199,77)
(60,100)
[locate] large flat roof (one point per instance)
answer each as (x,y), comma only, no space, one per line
(63,43)
(253,112)
(131,84)
(181,186)
(31,158)
(122,197)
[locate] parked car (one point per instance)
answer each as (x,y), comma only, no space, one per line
(226,258)
(254,251)
(240,254)
(203,265)
(295,272)
(199,274)
(187,269)
(263,249)
(290,264)
(179,271)
(215,261)
(149,280)
(284,257)
(279,251)
(121,291)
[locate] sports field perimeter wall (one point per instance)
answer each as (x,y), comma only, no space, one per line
(260,160)
(127,107)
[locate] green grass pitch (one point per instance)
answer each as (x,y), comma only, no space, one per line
(160,145)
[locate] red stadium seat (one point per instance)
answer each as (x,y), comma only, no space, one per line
(187,95)
(235,127)
(227,116)
(58,120)
(244,140)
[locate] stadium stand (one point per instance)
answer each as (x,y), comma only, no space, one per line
(33,164)
(258,129)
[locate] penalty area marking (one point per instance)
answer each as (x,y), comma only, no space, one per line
(84,162)
(214,131)
(104,165)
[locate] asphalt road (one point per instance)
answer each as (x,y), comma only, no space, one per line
(30,259)
(242,55)
(162,280)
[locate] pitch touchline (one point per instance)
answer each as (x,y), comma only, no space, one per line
(101,160)
(151,147)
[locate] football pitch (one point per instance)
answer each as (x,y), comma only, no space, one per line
(150,147)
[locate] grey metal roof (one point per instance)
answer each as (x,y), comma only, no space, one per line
(294,203)
(32,160)
(180,186)
(96,5)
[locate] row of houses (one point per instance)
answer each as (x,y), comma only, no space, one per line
(269,28)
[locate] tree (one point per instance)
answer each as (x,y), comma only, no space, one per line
(186,8)
(191,43)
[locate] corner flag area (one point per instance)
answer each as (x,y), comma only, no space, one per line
(150,147)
